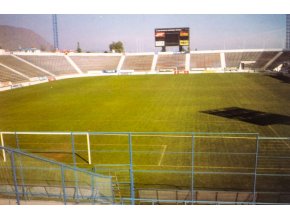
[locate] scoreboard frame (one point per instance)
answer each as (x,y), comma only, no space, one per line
(172,37)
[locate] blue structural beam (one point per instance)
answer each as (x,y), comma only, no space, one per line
(14,177)
(132,189)
(192,168)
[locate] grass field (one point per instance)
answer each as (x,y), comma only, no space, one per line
(248,103)
(147,103)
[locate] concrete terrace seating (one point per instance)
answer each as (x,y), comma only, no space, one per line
(21,66)
(264,58)
(137,63)
(205,60)
(170,61)
(7,75)
(233,59)
(56,64)
(285,57)
(96,62)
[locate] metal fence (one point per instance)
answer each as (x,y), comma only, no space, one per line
(30,179)
(173,168)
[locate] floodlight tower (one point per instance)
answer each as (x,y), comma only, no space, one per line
(287,31)
(55,32)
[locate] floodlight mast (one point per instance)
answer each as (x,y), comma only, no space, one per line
(55,32)
(287,31)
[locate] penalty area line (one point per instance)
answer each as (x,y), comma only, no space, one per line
(162,155)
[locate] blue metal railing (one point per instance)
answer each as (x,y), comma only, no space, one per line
(132,168)
(56,176)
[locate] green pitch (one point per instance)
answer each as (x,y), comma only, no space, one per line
(248,103)
(154,103)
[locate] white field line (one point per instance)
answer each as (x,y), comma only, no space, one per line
(274,131)
(134,135)
(217,167)
(198,136)
(209,167)
(162,155)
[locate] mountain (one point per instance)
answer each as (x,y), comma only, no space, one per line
(13,38)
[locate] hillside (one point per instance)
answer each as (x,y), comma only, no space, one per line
(11,38)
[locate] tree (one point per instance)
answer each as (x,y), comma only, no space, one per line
(42,48)
(79,50)
(117,47)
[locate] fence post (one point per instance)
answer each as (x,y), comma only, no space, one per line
(14,177)
(89,148)
(2,144)
(17,140)
(113,192)
(255,170)
(192,168)
(92,189)
(132,191)
(21,167)
(75,165)
(73,149)
(63,184)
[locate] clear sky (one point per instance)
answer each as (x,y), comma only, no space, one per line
(96,32)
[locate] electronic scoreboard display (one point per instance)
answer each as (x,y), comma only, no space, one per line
(171,37)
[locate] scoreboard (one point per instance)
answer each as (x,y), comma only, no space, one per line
(171,37)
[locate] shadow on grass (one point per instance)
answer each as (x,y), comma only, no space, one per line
(281,77)
(250,116)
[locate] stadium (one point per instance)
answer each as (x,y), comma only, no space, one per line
(186,127)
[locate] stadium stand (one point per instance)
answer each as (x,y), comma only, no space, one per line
(21,66)
(141,63)
(205,60)
(234,59)
(285,57)
(16,68)
(264,58)
(56,64)
(170,61)
(7,75)
(96,63)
